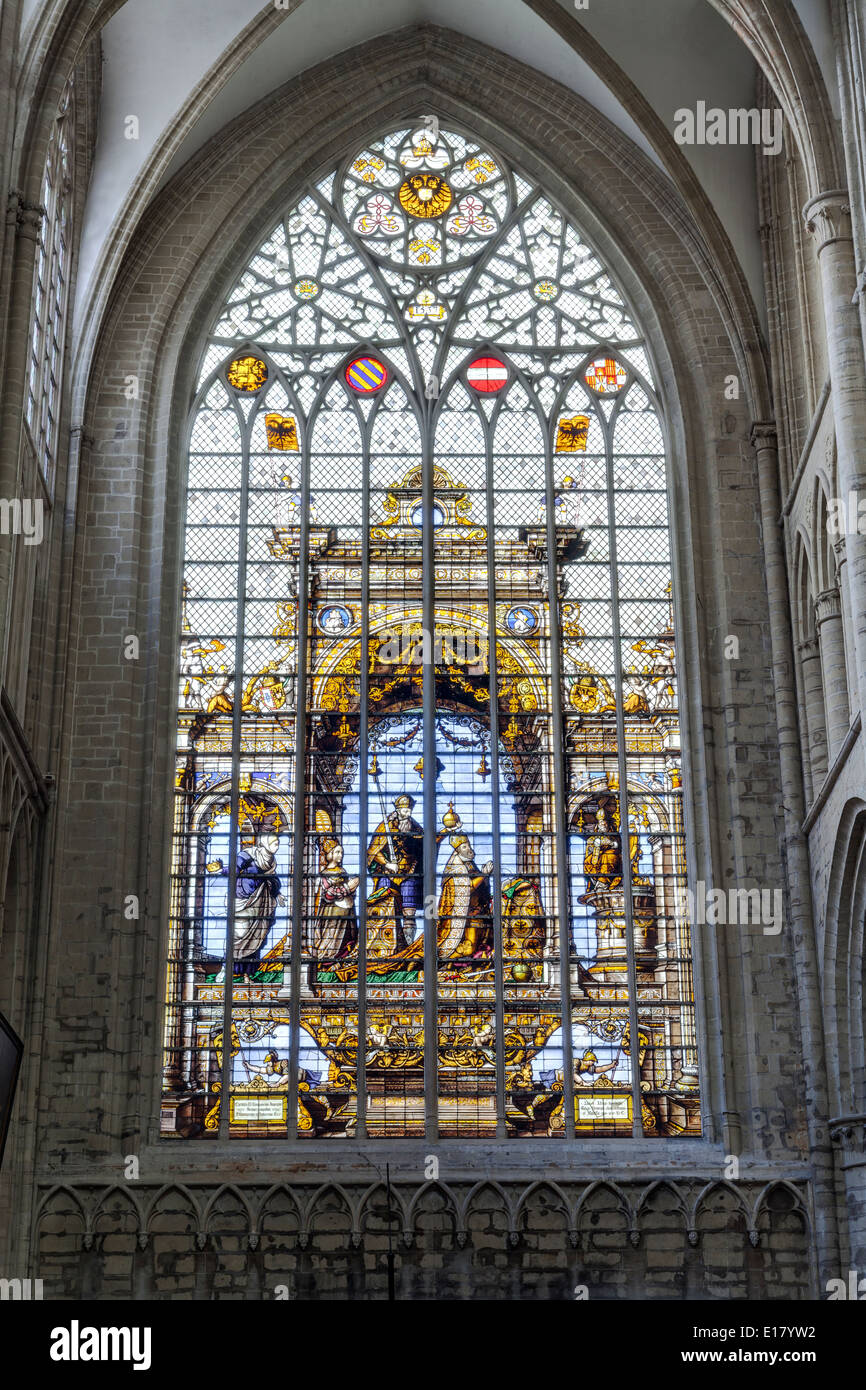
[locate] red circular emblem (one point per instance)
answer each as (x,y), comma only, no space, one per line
(487,374)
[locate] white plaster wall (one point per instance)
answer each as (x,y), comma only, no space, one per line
(679,52)
(154,55)
(815,18)
(326,27)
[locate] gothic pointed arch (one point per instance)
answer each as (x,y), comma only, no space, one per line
(427,599)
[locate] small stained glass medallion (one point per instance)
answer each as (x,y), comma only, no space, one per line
(366,375)
(480,167)
(546,290)
(335,619)
(425,195)
(247,374)
(521,620)
(571,434)
(471,217)
(306,289)
(282,431)
(487,374)
(423,153)
(606,376)
(368,167)
(379,219)
(416,516)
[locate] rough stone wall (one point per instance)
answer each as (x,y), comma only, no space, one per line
(451,1241)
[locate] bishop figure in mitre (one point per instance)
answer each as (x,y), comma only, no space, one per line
(465,905)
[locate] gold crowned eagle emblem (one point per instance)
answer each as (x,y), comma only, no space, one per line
(571,435)
(425,195)
(282,432)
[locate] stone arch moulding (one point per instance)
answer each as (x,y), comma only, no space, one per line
(440,63)
(186,254)
(776,40)
(844,962)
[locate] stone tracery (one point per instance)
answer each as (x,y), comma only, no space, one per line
(414,635)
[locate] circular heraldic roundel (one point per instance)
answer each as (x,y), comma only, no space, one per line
(366,374)
(487,374)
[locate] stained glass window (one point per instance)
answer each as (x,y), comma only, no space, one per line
(429,853)
(51,289)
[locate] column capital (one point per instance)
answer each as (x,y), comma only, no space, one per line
(763,434)
(827,217)
(849,1133)
(827,605)
(25,217)
(808,648)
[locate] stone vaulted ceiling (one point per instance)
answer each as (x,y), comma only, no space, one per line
(186,70)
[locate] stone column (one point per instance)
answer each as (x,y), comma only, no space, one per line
(849,31)
(23,224)
(849,1138)
(831,642)
(813,705)
(801,921)
(828,221)
(847,629)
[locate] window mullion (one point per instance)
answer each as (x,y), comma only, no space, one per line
(560,791)
(299,815)
(431,941)
(234,802)
(493,678)
(363,791)
(622,773)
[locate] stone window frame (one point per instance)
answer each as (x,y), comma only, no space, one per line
(244,345)
(52,279)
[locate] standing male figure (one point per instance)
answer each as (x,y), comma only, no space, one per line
(396,861)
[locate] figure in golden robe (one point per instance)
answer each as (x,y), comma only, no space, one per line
(465,905)
(602,862)
(465,917)
(465,927)
(336,933)
(523,923)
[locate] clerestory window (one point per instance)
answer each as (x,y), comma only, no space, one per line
(429,853)
(51,289)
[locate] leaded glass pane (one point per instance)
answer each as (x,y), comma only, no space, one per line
(429,852)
